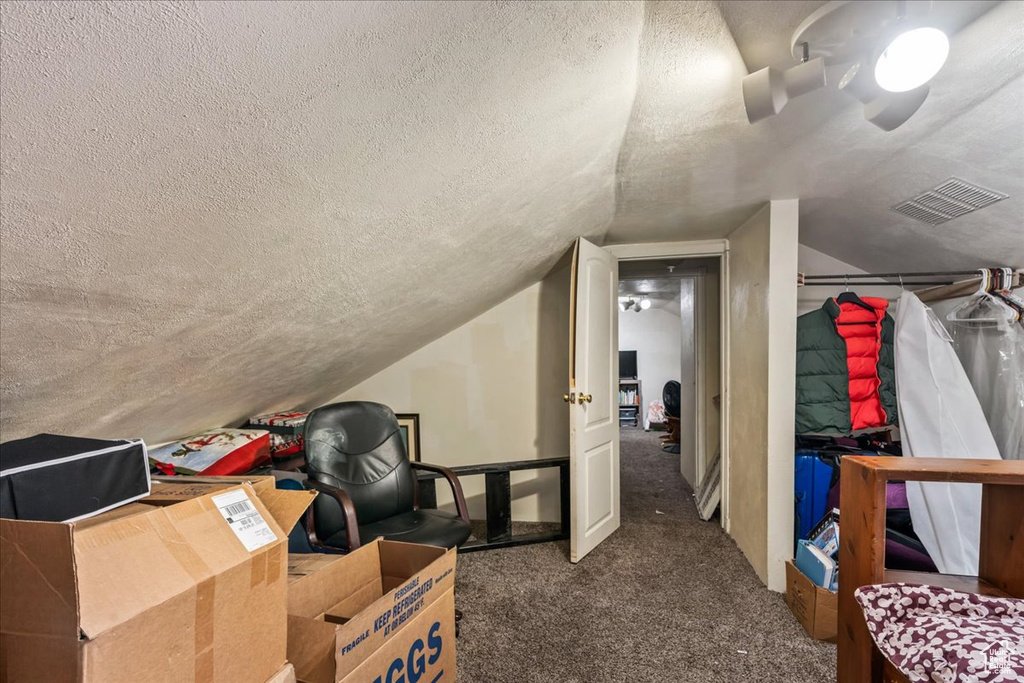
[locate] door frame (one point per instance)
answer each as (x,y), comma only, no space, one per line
(697,249)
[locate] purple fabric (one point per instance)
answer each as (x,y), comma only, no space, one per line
(934,634)
(832,500)
(899,556)
(896,496)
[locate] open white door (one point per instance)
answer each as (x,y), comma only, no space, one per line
(593,398)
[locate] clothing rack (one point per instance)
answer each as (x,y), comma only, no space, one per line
(854,276)
(936,290)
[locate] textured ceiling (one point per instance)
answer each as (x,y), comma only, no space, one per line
(209,209)
(691,164)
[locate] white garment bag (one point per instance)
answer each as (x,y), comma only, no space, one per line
(940,417)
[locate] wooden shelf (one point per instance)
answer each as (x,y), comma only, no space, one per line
(942,469)
(967,584)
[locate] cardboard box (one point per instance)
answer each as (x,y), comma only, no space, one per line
(286,674)
(385,612)
(813,606)
(170,489)
(195,591)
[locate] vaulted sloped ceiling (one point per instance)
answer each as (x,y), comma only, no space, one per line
(209,209)
(212,209)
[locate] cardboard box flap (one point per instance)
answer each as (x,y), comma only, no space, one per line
(303,564)
(399,561)
(313,594)
(287,506)
(134,563)
(38,594)
(179,484)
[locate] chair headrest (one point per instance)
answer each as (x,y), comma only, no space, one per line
(351,427)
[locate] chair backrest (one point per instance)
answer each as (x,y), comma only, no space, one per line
(298,539)
(357,446)
(670,395)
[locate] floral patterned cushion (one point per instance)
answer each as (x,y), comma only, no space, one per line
(938,635)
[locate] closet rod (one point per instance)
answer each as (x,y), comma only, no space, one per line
(851,276)
(841,283)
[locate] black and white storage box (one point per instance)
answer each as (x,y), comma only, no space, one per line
(50,478)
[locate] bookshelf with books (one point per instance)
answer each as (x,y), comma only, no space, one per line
(630,400)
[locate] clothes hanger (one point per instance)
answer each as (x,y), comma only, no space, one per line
(984,293)
(1004,290)
(849,297)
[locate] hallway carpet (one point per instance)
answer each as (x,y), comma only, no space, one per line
(667,598)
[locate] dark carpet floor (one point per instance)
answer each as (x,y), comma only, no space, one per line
(666,598)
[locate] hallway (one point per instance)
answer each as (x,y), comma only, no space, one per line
(668,598)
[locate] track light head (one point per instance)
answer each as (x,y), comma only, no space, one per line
(767,91)
(892,109)
(911,59)
(884,109)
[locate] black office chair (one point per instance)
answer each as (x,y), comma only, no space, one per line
(670,396)
(355,456)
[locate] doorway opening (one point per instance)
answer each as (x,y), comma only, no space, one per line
(670,369)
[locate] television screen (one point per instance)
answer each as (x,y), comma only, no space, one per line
(627,364)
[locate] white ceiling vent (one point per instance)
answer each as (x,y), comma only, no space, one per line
(948,200)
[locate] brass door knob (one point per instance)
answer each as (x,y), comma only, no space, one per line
(569,398)
(586,398)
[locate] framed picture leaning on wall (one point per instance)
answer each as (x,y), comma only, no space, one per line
(409,424)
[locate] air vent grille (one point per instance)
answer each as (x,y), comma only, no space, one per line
(950,199)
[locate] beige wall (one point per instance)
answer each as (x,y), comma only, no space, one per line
(490,391)
(712,358)
(762,349)
(748,374)
(813,262)
(782,294)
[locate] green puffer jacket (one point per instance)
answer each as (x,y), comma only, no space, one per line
(822,374)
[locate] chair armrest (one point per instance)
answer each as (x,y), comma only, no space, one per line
(453,481)
(348,509)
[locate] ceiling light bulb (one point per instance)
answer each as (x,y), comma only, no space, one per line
(645,304)
(912,59)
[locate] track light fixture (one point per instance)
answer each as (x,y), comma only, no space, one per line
(628,303)
(889,51)
(767,91)
(912,59)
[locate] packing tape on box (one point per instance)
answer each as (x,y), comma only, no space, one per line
(277,562)
(204,630)
(258,572)
(200,571)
